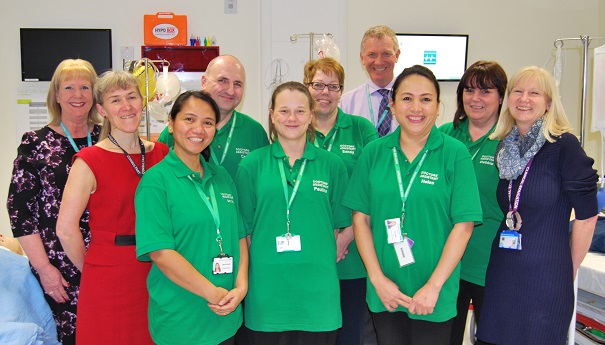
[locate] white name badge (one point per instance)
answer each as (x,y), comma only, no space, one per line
(510,240)
(288,243)
(222,265)
(393,227)
(404,253)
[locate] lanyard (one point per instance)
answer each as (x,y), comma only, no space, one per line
(71,139)
(331,141)
(283,181)
(136,169)
(384,113)
(483,143)
(404,195)
(479,149)
(515,207)
(213,210)
(229,136)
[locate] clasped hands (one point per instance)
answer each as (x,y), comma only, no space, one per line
(422,303)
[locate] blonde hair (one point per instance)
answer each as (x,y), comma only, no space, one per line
(378,32)
(66,70)
(555,119)
(111,81)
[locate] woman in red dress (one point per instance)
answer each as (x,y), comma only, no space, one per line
(112,306)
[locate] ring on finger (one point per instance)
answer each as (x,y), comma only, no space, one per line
(50,293)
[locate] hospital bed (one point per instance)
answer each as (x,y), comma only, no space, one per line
(590,305)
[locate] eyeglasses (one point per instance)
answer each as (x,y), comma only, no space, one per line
(321,86)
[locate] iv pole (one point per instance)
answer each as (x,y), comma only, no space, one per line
(146,63)
(585,43)
(311,35)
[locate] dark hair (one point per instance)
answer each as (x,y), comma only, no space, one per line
(202,96)
(480,75)
(292,86)
(416,70)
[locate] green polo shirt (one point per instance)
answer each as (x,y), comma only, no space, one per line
(444,193)
(248,135)
(171,215)
(293,290)
(482,151)
(346,139)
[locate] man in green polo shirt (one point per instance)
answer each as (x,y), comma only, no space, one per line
(237,134)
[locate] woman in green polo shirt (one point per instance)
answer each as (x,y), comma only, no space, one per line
(479,95)
(290,200)
(188,224)
(415,199)
(345,135)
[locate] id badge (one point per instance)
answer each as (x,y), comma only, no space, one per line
(286,243)
(510,240)
(403,250)
(222,265)
(393,227)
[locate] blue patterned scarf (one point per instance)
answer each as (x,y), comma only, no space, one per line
(515,151)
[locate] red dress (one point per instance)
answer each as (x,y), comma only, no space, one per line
(112,306)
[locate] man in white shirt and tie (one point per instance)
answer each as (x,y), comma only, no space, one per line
(379,53)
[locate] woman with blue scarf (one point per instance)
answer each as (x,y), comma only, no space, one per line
(544,173)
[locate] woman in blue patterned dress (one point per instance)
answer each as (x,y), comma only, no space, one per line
(39,175)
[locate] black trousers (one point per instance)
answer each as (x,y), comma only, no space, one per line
(291,338)
(229,341)
(354,309)
(468,291)
(396,328)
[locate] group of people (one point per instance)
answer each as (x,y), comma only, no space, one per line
(354,206)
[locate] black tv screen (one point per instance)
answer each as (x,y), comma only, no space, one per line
(444,54)
(43,49)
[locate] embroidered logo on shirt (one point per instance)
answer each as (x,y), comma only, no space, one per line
(428,177)
(228,197)
(242,151)
(320,186)
(349,149)
(487,160)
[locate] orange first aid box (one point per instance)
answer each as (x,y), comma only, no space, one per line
(165,28)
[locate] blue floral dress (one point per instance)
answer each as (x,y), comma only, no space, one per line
(40,172)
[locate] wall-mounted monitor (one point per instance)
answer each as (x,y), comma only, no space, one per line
(43,49)
(444,54)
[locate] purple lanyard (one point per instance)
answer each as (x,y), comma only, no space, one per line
(518,196)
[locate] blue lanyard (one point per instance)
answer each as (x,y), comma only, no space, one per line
(404,195)
(229,136)
(384,113)
(71,139)
(213,210)
(283,181)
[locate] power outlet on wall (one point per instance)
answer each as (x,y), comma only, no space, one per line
(230,6)
(127,52)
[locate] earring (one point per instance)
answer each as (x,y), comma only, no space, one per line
(170,129)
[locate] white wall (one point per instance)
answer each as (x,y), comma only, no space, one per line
(236,34)
(524,37)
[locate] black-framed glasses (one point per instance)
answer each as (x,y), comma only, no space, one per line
(320,86)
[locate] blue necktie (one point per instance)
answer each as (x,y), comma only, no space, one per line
(385,125)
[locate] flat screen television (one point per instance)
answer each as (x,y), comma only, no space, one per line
(43,49)
(444,54)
